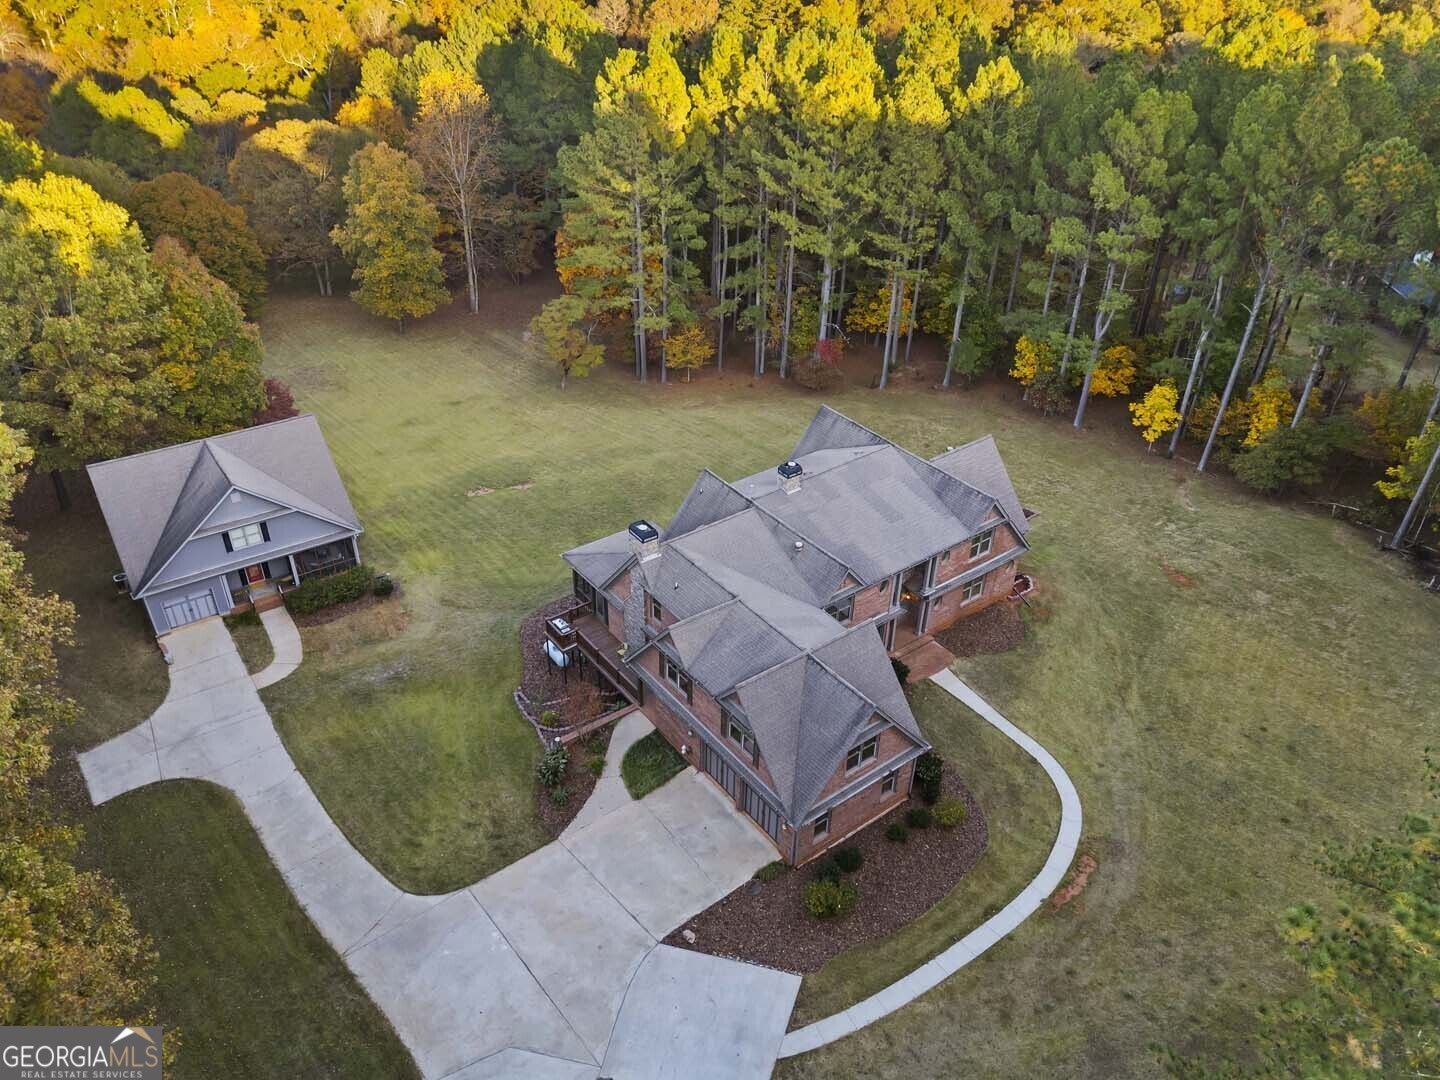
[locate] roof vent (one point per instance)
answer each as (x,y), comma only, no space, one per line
(644,540)
(789,476)
(799,545)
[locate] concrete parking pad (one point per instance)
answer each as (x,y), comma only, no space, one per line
(696,1016)
(527,973)
(457,992)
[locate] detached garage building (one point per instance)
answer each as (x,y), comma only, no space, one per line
(206,526)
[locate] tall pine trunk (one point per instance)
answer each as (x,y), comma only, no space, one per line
(914,305)
(959,318)
(1188,400)
(1415,348)
(1075,313)
(1050,283)
(1255,304)
(637,244)
(1102,326)
(1014,275)
(1418,500)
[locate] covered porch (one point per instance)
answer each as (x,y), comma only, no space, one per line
(276,574)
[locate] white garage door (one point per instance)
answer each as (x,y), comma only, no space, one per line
(198,606)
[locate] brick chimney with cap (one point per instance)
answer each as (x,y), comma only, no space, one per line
(790,473)
(644,540)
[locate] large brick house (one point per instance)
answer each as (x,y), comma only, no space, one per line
(757,629)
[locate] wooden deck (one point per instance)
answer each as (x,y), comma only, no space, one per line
(603,649)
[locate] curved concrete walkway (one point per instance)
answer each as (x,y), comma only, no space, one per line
(549,967)
(929,976)
(284,641)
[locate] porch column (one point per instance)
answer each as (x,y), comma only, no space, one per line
(294,574)
(355,547)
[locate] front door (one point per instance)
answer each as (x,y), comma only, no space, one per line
(255,574)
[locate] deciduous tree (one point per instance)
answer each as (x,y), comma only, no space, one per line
(389,230)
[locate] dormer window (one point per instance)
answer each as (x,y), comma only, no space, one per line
(841,610)
(862,754)
(676,677)
(656,611)
(740,735)
(246,536)
(981,544)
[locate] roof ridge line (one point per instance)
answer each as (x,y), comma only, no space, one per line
(789,528)
(192,442)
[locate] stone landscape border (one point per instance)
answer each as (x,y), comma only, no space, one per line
(925,978)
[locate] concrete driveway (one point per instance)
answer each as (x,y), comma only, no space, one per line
(548,968)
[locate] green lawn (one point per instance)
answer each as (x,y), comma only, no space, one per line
(648,764)
(1220,721)
(252,986)
(251,640)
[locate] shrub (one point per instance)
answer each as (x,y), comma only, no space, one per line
(849,859)
(897,832)
(312,594)
(950,813)
(551,769)
(384,585)
(596,764)
(827,870)
(771,870)
(929,768)
(559,794)
(830,899)
(550,718)
(902,670)
(919,817)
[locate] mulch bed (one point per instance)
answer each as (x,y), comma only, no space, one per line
(579,779)
(766,922)
(997,629)
(542,683)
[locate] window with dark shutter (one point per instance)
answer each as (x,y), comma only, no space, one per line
(225,539)
(265,532)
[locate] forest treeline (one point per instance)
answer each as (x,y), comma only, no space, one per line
(1127,199)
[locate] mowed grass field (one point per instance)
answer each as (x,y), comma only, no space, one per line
(1230,683)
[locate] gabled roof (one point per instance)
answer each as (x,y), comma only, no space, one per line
(979,464)
(747,570)
(154,502)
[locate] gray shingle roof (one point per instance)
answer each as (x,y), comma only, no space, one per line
(154,501)
(601,560)
(979,464)
(752,626)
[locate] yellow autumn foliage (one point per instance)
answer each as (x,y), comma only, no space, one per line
(1031,357)
(1115,372)
(869,312)
(1157,412)
(1268,404)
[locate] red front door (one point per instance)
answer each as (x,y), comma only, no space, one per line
(255,574)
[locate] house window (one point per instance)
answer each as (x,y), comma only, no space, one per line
(583,589)
(862,754)
(981,544)
(740,735)
(676,677)
(656,611)
(973,590)
(888,785)
(822,825)
(246,536)
(841,610)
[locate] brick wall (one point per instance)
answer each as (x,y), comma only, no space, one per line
(872,600)
(892,743)
(706,710)
(616,621)
(852,815)
(950,607)
(957,560)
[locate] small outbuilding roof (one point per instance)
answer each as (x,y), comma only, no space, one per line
(153,502)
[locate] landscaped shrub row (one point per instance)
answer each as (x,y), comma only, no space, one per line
(312,594)
(830,895)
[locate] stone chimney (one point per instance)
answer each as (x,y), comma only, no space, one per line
(644,540)
(790,473)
